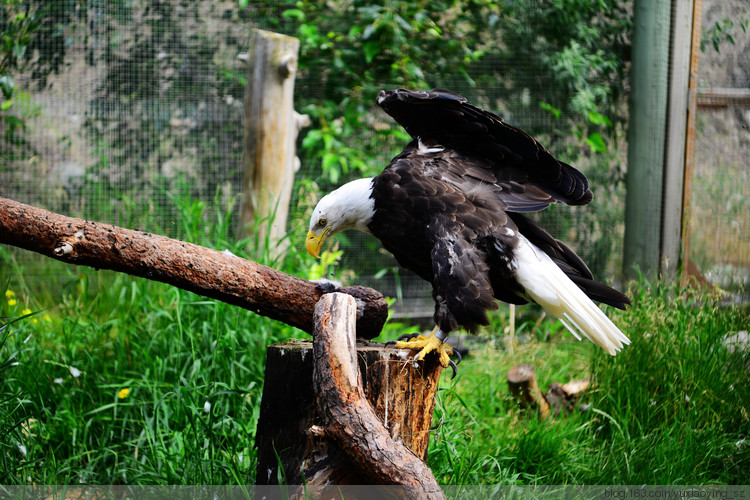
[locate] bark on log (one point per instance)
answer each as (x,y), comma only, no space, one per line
(271,129)
(316,425)
(523,387)
(207,272)
(563,398)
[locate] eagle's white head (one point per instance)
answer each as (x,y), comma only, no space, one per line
(348,207)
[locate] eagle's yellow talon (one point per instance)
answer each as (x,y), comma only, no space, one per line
(427,345)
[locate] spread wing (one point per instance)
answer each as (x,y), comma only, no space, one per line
(485,148)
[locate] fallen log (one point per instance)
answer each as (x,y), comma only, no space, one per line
(316,425)
(207,272)
(563,398)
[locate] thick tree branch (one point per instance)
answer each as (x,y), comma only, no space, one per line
(346,415)
(207,272)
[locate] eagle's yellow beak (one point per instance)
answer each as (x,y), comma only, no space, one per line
(315,243)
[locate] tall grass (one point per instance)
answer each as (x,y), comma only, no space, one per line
(119,380)
(127,381)
(671,408)
(674,405)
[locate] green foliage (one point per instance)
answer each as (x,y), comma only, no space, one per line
(179,390)
(31,27)
(573,65)
(16,409)
(574,52)
(687,422)
(722,31)
(365,47)
(18,27)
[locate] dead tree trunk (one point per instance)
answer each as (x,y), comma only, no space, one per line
(316,425)
(219,275)
(271,128)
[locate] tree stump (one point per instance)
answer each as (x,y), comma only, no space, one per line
(316,426)
(523,387)
(560,399)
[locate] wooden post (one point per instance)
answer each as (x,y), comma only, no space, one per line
(316,426)
(646,137)
(676,135)
(687,189)
(271,129)
(660,135)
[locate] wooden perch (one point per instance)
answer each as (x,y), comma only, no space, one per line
(211,273)
(347,417)
(316,424)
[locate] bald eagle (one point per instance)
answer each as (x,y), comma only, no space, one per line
(449,208)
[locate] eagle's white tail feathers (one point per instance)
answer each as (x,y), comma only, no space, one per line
(548,286)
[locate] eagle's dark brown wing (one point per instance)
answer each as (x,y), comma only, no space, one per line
(503,154)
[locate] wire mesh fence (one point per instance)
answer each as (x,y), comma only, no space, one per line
(719,209)
(146,107)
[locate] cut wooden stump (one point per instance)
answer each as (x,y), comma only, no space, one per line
(523,387)
(559,398)
(335,413)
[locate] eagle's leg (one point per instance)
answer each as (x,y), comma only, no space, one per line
(435,341)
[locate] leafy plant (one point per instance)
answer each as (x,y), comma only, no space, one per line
(18,26)
(722,31)
(668,409)
(366,47)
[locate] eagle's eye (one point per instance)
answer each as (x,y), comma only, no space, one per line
(322,222)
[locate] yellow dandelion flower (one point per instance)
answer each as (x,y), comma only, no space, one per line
(12,302)
(9,294)
(123,393)
(26,311)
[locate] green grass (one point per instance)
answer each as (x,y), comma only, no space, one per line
(719,220)
(118,380)
(671,408)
